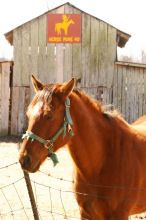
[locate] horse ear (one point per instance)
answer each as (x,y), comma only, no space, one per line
(67,88)
(36,84)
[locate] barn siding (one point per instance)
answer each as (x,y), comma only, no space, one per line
(129,91)
(17,38)
(4,97)
(20,101)
(144,102)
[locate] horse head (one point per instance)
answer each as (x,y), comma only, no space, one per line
(48,121)
(71,21)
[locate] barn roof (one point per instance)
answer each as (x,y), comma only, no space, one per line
(122,37)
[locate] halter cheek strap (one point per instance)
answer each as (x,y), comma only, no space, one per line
(67,124)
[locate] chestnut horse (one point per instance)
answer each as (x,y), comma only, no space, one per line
(109,154)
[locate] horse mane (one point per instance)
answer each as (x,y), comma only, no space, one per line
(97,106)
(88,100)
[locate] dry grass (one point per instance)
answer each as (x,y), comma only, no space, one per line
(53,195)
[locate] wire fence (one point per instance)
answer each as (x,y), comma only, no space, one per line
(53,194)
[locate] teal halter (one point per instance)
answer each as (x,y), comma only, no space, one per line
(49,143)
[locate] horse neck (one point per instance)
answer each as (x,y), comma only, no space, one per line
(87,147)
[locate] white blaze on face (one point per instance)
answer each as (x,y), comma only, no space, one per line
(35,111)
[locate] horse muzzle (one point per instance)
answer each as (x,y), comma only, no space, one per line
(26,164)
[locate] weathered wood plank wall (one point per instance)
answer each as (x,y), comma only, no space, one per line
(129,91)
(4,97)
(20,101)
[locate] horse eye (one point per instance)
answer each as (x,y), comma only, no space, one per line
(48,116)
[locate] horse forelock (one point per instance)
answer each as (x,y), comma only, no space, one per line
(41,99)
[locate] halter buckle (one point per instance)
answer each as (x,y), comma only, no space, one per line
(49,145)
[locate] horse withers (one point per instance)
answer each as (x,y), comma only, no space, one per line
(108,153)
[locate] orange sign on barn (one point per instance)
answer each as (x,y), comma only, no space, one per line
(64,28)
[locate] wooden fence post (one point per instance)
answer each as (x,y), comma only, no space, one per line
(31,195)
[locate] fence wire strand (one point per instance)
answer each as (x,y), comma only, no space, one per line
(11,209)
(96,186)
(20,201)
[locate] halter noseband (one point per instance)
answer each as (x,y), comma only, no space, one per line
(49,143)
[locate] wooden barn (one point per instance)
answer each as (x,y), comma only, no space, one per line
(92,59)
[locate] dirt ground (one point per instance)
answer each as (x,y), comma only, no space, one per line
(52,187)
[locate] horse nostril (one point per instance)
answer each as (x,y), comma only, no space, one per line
(25,163)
